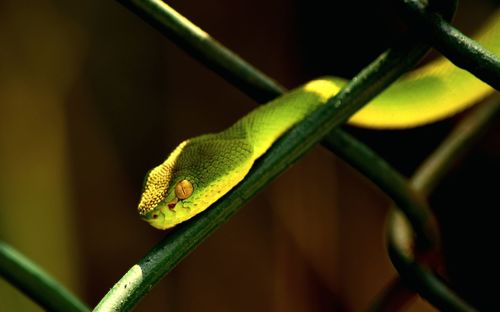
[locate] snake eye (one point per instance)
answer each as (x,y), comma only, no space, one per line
(183,189)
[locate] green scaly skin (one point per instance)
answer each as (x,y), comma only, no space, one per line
(215,163)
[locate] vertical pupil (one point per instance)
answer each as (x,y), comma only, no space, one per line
(183,189)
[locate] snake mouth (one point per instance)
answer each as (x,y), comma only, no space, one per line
(161,217)
(152,215)
(155,218)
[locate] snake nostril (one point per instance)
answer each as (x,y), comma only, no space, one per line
(155,216)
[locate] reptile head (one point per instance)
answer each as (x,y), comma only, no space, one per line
(197,173)
(167,189)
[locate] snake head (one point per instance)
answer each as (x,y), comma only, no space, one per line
(172,208)
(195,175)
(164,200)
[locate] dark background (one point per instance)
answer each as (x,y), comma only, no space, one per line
(91,98)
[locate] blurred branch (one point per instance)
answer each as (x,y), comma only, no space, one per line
(36,283)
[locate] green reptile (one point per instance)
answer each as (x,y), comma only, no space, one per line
(202,169)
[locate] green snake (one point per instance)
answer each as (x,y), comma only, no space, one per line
(202,169)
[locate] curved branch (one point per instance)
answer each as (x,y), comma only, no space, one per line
(458,48)
(36,283)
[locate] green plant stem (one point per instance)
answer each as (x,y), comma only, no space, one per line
(183,239)
(36,283)
(458,48)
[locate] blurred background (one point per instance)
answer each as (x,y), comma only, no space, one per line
(91,98)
